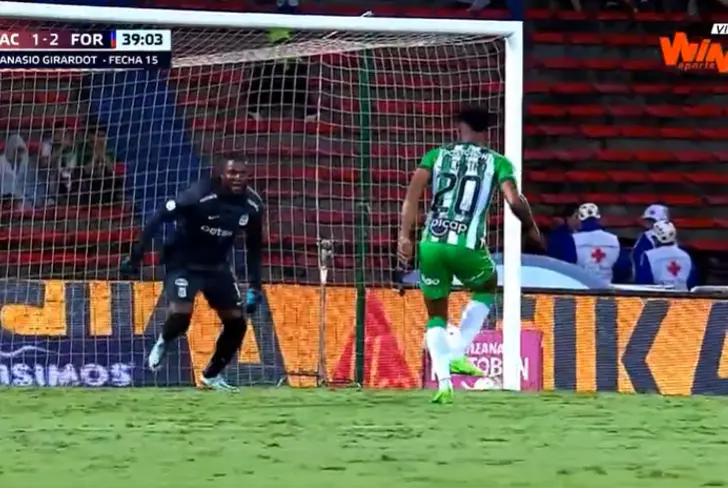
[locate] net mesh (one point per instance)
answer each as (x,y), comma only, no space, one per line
(333,124)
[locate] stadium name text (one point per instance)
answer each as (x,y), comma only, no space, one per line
(98,333)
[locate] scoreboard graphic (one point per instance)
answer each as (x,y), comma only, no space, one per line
(65,49)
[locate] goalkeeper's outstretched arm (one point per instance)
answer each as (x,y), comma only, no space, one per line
(522,210)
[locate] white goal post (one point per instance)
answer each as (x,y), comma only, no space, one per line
(510,31)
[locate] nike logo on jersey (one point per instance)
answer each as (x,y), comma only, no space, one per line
(213,217)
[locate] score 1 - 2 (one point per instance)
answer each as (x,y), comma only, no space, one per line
(83,39)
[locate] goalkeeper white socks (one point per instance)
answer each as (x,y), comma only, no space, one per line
(471,322)
(436,338)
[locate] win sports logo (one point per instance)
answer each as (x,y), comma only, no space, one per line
(706,54)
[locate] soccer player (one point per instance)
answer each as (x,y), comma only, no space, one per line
(208,216)
(463,176)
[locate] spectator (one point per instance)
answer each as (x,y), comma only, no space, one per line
(646,241)
(560,236)
(58,157)
(96,175)
(281,83)
(596,250)
(16,185)
(666,264)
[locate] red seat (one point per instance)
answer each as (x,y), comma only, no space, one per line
(695,156)
(572,88)
(653,155)
(304,173)
(67,258)
(39,122)
(610,88)
(665,177)
(33,75)
(549,37)
(54,214)
(554,176)
(664,111)
(620,198)
(35,96)
(537,87)
(627,176)
(556,63)
(616,155)
(707,244)
(546,110)
(206,75)
(638,131)
(587,38)
(390,176)
(586,110)
(550,130)
(720,134)
(24,234)
(703,110)
(716,199)
(601,131)
(625,110)
(586,176)
(246,125)
(695,223)
(704,178)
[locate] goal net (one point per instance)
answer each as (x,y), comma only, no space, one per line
(333,124)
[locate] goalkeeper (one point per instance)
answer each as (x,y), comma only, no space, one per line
(463,176)
(208,217)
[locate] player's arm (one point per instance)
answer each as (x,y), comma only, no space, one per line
(518,203)
(410,206)
(168,212)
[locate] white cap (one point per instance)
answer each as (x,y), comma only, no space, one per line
(657,213)
(589,211)
(664,232)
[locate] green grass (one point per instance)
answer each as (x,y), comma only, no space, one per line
(288,438)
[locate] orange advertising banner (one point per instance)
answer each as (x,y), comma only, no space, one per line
(97,333)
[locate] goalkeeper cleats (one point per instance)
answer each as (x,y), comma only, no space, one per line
(444,395)
(157,355)
(217,383)
(462,366)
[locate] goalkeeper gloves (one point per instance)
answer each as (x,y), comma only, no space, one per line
(252,300)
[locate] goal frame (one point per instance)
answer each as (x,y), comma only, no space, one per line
(511,31)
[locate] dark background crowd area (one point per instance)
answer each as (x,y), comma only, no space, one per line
(603,123)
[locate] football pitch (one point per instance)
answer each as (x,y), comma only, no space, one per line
(289,438)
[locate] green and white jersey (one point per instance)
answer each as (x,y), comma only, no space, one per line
(464,177)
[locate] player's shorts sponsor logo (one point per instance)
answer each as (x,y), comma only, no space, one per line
(243,220)
(216,231)
(440,227)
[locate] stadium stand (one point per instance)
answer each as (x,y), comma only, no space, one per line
(606,122)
